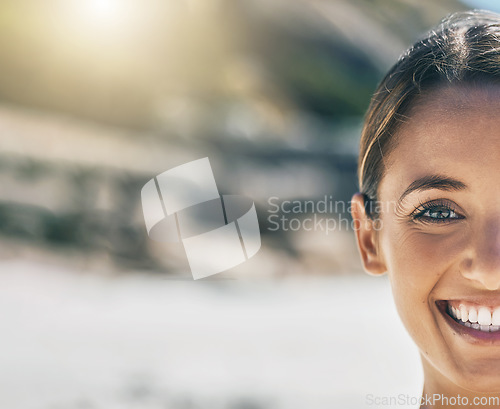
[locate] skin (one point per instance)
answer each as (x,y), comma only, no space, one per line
(454,131)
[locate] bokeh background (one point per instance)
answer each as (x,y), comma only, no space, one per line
(99,96)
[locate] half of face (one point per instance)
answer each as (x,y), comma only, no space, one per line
(440,234)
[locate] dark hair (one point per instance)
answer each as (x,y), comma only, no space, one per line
(463,49)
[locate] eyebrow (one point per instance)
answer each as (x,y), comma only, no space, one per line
(433,182)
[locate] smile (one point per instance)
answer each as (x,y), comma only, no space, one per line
(476,323)
(478,317)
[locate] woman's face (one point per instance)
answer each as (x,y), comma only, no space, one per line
(440,234)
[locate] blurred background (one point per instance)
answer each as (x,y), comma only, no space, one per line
(99,96)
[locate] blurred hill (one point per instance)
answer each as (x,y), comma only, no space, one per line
(97,97)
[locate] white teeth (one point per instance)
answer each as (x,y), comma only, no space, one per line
(473,315)
(481,318)
(495,318)
(464,314)
(484,316)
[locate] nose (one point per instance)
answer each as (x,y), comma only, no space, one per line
(483,265)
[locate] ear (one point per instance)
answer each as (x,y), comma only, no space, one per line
(366,236)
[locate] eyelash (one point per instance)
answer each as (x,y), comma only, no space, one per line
(419,214)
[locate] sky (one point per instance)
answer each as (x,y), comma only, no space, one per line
(492,5)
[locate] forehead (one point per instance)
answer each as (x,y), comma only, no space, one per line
(453,131)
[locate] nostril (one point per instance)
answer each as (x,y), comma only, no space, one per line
(482,271)
(466,265)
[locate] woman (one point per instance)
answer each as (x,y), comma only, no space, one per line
(428,211)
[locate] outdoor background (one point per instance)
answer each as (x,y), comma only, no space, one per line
(99,96)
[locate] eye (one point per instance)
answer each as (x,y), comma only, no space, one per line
(436,212)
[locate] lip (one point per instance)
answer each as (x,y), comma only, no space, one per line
(490,302)
(470,335)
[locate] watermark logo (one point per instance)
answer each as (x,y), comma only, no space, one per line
(431,401)
(325,214)
(183,204)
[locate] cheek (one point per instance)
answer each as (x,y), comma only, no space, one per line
(416,261)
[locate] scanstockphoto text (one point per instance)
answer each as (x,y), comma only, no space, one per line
(325,214)
(431,401)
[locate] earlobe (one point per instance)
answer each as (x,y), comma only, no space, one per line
(366,236)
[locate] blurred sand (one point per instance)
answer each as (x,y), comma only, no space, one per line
(143,341)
